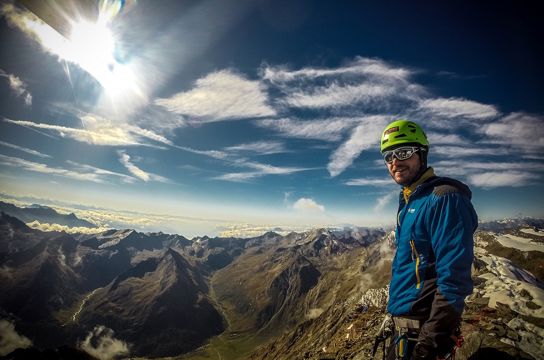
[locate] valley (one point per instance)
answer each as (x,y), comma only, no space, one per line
(317,294)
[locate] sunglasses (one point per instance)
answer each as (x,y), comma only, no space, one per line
(402,153)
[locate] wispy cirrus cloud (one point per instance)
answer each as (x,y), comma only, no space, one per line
(125,159)
(490,165)
(259,170)
(18,86)
(259,147)
(384,200)
(364,136)
(103,174)
(307,204)
(330,129)
(494,179)
(77,171)
(446,139)
(464,151)
(379,182)
(24,149)
(371,83)
(458,107)
(522,130)
(222,95)
(336,95)
(360,66)
(133,169)
(99,132)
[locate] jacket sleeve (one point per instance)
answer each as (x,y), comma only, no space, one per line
(451,223)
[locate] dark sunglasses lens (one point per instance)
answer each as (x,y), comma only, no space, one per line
(404,153)
(388,156)
(401,154)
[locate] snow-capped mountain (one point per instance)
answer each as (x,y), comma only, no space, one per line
(316,294)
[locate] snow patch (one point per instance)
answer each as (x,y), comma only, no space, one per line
(532,232)
(375,298)
(505,284)
(114,238)
(520,243)
(530,337)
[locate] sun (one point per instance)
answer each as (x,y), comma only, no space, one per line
(93,45)
(86,41)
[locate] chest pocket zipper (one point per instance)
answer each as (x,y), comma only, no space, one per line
(415,256)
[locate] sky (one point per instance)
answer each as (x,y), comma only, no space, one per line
(238,117)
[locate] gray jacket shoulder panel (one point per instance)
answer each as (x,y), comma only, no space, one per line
(442,190)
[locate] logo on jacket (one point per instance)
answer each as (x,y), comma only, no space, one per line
(411,210)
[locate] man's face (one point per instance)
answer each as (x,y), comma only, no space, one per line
(404,172)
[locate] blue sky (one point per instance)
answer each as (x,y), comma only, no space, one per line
(236,117)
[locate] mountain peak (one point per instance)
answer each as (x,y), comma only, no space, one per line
(6,219)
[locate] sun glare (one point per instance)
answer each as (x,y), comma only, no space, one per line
(93,46)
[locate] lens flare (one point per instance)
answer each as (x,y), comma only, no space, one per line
(84,40)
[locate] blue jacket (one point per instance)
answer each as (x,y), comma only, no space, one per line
(431,272)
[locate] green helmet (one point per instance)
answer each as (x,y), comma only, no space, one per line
(403,132)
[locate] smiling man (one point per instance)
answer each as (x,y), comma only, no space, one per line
(431,272)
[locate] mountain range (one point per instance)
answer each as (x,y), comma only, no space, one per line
(43,214)
(316,295)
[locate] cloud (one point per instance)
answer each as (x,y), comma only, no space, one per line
(100,131)
(372,82)
(441,139)
(490,165)
(370,182)
(494,179)
(24,149)
(384,200)
(113,136)
(84,168)
(518,129)
(78,172)
(100,343)
(10,339)
(18,87)
(249,230)
(222,95)
(458,107)
(124,158)
(261,170)
(259,147)
(472,170)
(305,204)
(363,137)
(133,169)
(460,151)
(326,129)
(337,95)
(71,230)
(360,66)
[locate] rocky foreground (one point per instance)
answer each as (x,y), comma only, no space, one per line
(503,318)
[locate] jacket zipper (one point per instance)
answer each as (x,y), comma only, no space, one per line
(415,256)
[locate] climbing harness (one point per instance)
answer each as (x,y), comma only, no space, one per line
(384,332)
(407,332)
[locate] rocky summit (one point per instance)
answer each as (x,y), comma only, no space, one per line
(319,294)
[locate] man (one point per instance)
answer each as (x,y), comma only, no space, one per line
(431,272)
